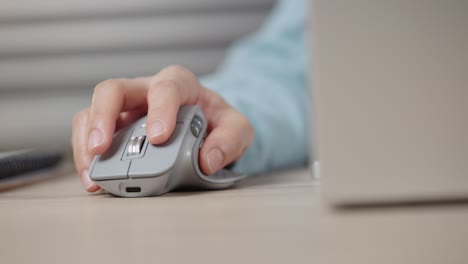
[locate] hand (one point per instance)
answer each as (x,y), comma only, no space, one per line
(119,102)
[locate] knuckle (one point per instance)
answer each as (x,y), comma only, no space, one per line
(244,123)
(158,86)
(80,116)
(248,133)
(175,70)
(110,84)
(76,118)
(97,116)
(164,84)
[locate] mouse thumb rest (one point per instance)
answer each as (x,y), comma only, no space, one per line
(132,167)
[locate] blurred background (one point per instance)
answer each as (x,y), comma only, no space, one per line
(53,53)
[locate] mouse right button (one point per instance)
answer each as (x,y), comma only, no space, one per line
(158,159)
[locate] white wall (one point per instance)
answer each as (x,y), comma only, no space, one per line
(53,52)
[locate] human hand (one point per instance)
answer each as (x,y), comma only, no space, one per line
(119,102)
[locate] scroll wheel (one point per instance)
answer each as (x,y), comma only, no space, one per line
(135,145)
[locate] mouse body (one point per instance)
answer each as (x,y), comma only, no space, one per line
(133,167)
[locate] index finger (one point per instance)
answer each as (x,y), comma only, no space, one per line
(110,98)
(171,88)
(81,155)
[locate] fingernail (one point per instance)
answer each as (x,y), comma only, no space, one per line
(215,159)
(156,129)
(86,180)
(95,139)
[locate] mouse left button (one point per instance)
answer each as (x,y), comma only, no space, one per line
(109,165)
(110,170)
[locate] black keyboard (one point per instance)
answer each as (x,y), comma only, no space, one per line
(20,162)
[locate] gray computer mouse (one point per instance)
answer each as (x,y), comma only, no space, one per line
(133,167)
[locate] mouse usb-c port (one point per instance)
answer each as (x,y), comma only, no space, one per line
(133,189)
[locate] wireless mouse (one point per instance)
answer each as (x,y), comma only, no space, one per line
(133,167)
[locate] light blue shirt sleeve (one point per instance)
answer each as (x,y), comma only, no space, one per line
(264,77)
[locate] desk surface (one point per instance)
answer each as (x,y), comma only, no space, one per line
(278,218)
(266,219)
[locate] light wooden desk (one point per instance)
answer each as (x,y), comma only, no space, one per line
(268,219)
(279,218)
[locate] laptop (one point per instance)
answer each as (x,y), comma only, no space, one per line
(390,86)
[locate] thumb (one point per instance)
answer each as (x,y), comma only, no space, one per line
(226,143)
